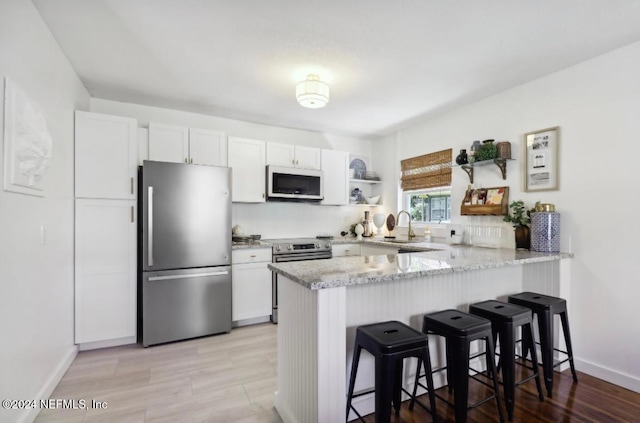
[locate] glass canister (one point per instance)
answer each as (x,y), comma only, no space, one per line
(472,151)
(545,229)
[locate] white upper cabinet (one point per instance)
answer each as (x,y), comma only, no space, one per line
(247,158)
(308,157)
(168,143)
(335,169)
(179,144)
(281,154)
(289,155)
(105,156)
(207,147)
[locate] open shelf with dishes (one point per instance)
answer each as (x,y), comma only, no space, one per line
(366,189)
(364,185)
(365,181)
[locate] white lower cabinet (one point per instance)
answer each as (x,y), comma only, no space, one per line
(105,270)
(343,250)
(251,284)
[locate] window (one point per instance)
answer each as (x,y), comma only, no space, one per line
(426,182)
(429,205)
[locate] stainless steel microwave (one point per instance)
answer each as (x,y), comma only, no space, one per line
(287,183)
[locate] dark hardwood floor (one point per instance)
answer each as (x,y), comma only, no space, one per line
(590,400)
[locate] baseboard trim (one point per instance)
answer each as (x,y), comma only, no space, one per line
(51,383)
(253,321)
(625,380)
(108,343)
(284,412)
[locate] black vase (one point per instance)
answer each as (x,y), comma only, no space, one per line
(462,157)
(523,237)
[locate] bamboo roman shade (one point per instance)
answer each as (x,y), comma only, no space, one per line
(427,171)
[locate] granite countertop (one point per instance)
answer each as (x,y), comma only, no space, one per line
(413,245)
(346,271)
(416,245)
(249,245)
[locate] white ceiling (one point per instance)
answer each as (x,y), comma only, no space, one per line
(388,62)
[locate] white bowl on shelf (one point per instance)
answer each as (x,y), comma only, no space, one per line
(372,200)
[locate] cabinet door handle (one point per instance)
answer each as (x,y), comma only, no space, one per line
(186,160)
(132,212)
(132,185)
(253,256)
(191,161)
(297,162)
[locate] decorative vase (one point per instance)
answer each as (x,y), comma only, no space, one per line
(360,230)
(378,220)
(462,157)
(523,237)
(545,231)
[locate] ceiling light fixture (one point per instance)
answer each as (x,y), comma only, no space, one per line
(312,92)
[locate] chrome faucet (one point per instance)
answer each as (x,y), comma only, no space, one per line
(411,234)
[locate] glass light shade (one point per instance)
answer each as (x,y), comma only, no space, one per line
(312,92)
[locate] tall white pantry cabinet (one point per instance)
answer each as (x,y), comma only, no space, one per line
(105,230)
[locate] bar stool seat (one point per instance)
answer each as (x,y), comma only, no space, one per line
(545,307)
(459,330)
(390,343)
(505,319)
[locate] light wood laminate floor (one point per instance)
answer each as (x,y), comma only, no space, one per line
(232,378)
(222,378)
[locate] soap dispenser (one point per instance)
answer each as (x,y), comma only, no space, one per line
(427,234)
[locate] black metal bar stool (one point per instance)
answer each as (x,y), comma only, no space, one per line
(390,343)
(459,330)
(545,308)
(505,319)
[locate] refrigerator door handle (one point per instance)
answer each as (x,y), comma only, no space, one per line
(193,275)
(150,227)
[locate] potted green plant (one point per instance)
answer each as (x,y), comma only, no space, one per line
(486,151)
(520,216)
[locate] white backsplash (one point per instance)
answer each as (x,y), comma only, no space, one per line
(297,220)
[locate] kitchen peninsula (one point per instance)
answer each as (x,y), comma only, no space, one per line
(323,301)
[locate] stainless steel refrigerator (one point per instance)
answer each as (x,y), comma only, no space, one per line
(185,254)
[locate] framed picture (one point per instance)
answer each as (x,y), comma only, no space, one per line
(541,160)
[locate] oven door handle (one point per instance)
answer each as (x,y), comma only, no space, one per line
(300,257)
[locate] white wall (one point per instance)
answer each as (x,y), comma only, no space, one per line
(271,220)
(36,281)
(597,106)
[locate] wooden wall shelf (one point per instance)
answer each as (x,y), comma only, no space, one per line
(501,209)
(501,163)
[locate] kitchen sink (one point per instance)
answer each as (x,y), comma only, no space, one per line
(404,241)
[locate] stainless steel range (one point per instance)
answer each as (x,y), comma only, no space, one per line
(297,249)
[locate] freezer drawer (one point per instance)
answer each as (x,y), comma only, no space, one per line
(182,304)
